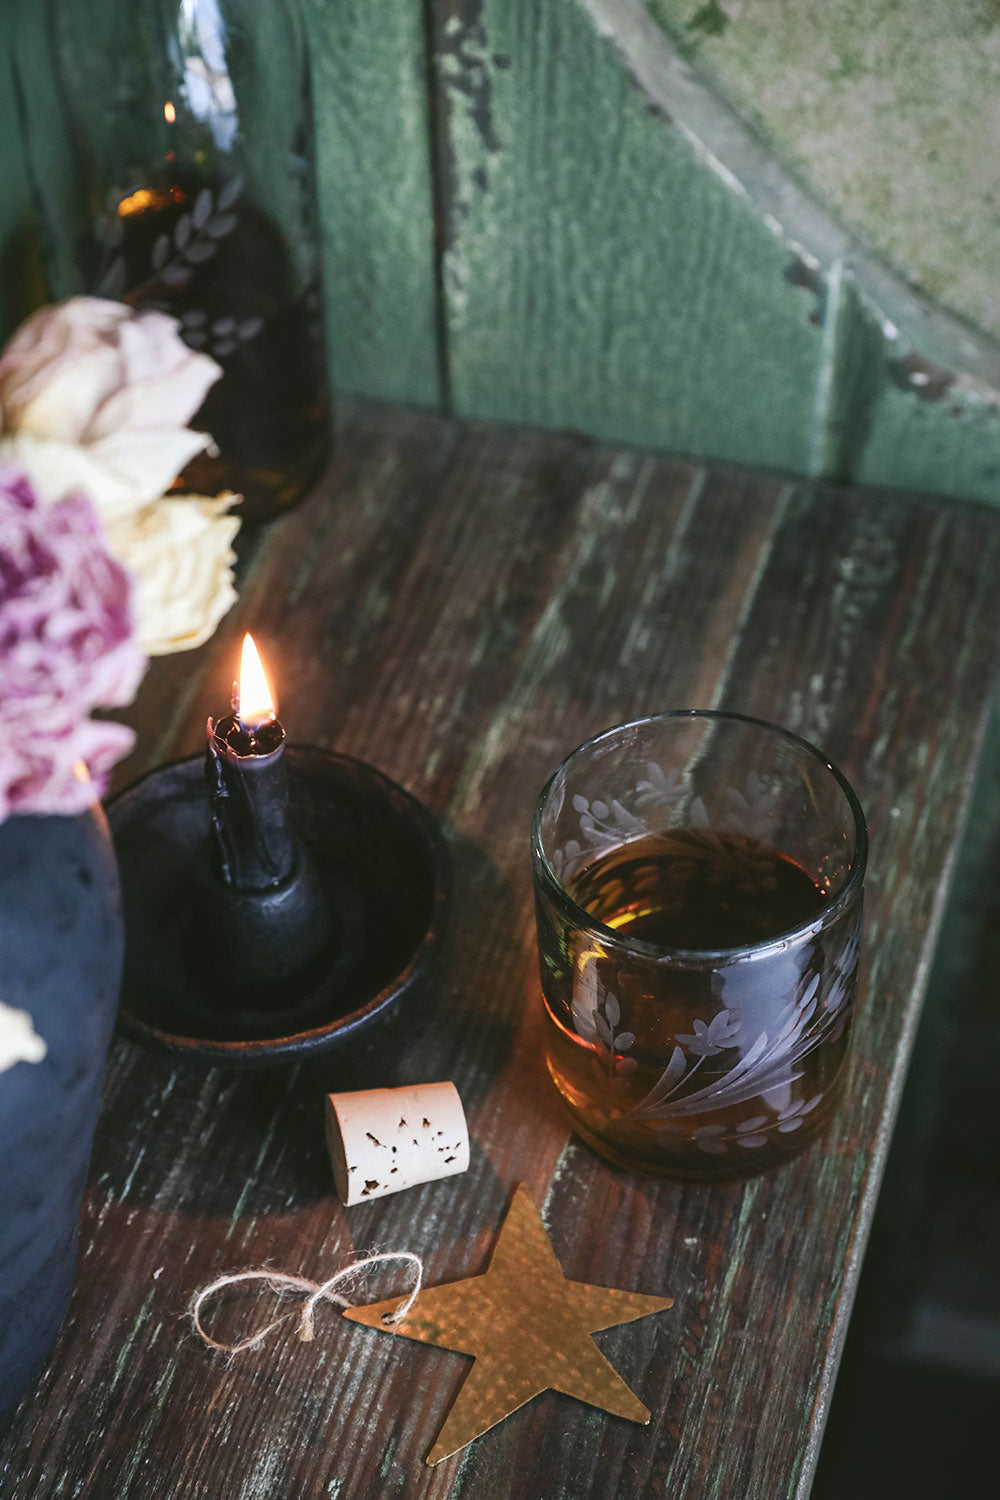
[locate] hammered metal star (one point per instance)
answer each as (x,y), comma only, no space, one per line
(527,1327)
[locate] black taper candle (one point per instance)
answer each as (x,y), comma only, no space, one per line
(248,786)
(264,915)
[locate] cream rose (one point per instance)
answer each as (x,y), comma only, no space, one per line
(180,552)
(98,373)
(95,396)
(61,469)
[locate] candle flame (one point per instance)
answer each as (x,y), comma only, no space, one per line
(256,705)
(169,112)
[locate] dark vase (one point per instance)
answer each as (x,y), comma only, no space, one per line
(60,960)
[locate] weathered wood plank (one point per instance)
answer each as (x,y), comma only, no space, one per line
(21,276)
(888,115)
(461,605)
(623,257)
(40,137)
(946,444)
(376,197)
(554,222)
(598,275)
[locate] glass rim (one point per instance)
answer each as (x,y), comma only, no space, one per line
(581,917)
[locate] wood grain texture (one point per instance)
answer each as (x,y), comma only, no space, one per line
(938,1221)
(462,605)
(21,286)
(624,258)
(533,210)
(375,197)
(598,275)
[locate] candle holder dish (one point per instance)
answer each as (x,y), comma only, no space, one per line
(382,867)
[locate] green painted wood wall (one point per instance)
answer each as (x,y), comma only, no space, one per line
(888,109)
(534,211)
(22,284)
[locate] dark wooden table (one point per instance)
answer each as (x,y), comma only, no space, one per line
(461,606)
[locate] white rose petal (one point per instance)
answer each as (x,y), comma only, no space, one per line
(120,474)
(180,551)
(147,459)
(19,1041)
(66,397)
(94,397)
(79,370)
(42,390)
(165,381)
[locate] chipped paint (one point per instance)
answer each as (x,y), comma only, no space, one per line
(734,149)
(890,114)
(928,381)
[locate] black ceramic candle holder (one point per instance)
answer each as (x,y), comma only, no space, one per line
(208,971)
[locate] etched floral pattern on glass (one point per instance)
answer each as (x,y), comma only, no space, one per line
(700,1058)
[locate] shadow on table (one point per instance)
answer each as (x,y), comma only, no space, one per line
(201,1139)
(915,1409)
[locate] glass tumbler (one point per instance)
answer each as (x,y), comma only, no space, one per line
(698,887)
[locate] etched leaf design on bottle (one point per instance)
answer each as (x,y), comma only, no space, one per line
(176,256)
(202,208)
(229,192)
(161,251)
(221,226)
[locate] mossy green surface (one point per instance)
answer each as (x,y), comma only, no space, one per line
(598,276)
(888,109)
(375,197)
(22,280)
(518,224)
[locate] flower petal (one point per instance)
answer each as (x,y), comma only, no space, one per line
(180,552)
(60,469)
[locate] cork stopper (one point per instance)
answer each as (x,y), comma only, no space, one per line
(384,1140)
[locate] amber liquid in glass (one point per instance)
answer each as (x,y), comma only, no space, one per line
(206,255)
(696,1067)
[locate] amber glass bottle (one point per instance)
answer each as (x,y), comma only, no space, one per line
(183,129)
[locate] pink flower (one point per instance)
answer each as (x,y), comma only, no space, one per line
(94,397)
(66,647)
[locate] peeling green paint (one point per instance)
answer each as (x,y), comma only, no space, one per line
(597,277)
(376,197)
(519,225)
(890,112)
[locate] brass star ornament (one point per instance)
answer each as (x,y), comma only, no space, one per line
(527,1327)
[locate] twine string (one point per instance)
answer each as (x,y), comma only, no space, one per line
(284,1284)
